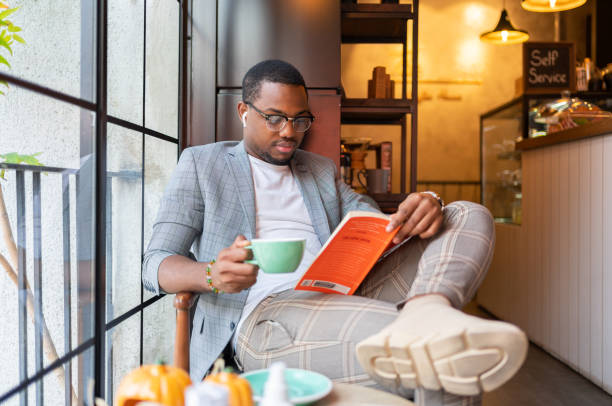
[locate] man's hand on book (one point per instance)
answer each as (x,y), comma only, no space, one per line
(229,273)
(419,214)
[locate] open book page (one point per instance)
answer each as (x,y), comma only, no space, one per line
(391,249)
(349,254)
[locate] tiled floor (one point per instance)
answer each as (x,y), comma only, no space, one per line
(543,380)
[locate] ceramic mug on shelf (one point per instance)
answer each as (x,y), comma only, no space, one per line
(376,180)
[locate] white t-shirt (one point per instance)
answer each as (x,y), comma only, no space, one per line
(280,213)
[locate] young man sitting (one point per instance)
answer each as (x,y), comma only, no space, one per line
(402,329)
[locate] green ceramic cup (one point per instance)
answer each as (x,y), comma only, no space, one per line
(281,255)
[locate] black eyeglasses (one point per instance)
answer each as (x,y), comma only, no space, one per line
(276,122)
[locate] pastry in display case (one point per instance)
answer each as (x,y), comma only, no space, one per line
(562,114)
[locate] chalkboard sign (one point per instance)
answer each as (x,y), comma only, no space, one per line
(548,67)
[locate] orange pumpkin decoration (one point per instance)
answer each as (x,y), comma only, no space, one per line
(154,383)
(239,388)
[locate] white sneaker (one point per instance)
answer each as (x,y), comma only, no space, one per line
(435,346)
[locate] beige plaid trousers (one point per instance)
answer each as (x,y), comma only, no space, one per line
(318,331)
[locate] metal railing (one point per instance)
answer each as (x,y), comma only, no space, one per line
(35,296)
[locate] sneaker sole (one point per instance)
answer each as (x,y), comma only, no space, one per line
(463,363)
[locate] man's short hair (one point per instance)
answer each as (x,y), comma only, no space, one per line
(272,70)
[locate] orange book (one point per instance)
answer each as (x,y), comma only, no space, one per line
(358,242)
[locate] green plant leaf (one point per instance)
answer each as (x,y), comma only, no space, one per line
(14,28)
(31,160)
(2,82)
(18,38)
(2,171)
(8,12)
(4,61)
(15,158)
(1,92)
(5,44)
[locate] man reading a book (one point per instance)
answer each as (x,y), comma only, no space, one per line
(402,329)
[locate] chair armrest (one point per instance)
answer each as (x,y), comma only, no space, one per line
(183,301)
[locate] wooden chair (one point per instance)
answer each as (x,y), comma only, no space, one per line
(183,302)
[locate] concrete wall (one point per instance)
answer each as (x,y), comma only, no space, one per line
(483,76)
(30,123)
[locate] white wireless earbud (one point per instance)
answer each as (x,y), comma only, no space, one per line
(244,119)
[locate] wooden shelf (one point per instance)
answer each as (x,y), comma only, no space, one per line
(385,24)
(373,11)
(375,23)
(374,110)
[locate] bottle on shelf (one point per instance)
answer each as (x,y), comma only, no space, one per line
(346,172)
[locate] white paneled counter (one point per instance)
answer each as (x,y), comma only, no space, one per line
(552,275)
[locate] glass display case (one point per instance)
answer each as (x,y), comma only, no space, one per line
(500,130)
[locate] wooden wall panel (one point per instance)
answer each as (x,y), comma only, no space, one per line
(560,289)
(607,265)
(524,275)
(554,281)
(544,241)
(505,280)
(574,163)
(527,226)
(596,234)
(324,136)
(564,266)
(584,260)
(514,280)
(536,230)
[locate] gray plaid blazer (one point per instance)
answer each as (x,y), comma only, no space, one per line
(209,201)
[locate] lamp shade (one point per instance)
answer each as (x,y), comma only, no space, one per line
(504,32)
(548,6)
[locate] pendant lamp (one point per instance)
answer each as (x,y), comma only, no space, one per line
(504,33)
(548,6)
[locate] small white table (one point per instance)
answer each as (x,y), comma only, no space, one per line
(344,394)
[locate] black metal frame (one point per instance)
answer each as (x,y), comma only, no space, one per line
(101,326)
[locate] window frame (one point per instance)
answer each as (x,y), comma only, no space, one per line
(94,31)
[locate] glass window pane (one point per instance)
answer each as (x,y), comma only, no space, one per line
(158,331)
(83,375)
(57,229)
(160,160)
(125,59)
(162,72)
(59,47)
(57,384)
(55,389)
(124,219)
(122,354)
